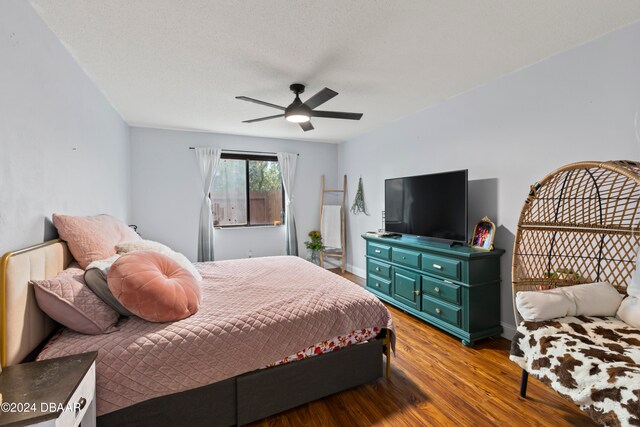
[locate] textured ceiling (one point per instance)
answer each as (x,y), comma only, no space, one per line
(179,64)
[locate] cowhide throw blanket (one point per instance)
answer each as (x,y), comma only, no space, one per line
(592,361)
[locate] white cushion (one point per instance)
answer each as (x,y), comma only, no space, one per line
(592,299)
(536,306)
(633,290)
(150,245)
(629,311)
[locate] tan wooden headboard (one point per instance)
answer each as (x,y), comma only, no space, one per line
(23,326)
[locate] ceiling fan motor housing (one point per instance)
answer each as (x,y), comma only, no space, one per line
(297,88)
(297,111)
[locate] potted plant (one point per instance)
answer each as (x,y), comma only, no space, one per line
(314,246)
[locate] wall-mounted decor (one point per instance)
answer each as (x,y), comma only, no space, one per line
(483,234)
(358,203)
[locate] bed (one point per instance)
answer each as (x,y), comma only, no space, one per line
(192,371)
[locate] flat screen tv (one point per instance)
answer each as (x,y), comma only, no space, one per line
(432,205)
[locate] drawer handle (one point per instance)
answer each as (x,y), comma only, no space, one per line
(416,292)
(437,266)
(377,268)
(436,289)
(377,285)
(438,310)
(404,257)
(377,251)
(81,404)
(448,281)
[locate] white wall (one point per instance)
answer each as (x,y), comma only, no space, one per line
(579,105)
(63,148)
(167,190)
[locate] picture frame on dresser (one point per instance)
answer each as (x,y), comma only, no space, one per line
(483,234)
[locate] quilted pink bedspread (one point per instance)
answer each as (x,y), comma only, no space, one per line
(254,312)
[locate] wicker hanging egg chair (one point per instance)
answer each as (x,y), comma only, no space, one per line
(580,224)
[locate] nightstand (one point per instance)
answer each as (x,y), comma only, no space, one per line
(54,392)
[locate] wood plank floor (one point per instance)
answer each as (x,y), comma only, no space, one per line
(436,381)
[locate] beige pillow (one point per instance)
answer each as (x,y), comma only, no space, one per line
(150,245)
(592,299)
(536,306)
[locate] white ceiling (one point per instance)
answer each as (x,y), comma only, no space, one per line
(179,64)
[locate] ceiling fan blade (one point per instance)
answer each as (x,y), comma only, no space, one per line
(336,115)
(320,98)
(263,118)
(257,101)
(306,126)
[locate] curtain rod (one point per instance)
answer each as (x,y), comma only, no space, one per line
(245,151)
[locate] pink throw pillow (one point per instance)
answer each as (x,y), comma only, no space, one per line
(154,287)
(67,300)
(92,238)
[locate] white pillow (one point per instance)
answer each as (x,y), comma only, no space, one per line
(592,299)
(633,290)
(536,306)
(629,311)
(150,245)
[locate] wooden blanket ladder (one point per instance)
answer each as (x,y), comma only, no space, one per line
(336,253)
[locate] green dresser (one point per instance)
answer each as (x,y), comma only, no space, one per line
(454,288)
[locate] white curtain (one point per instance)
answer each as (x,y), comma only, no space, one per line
(208,160)
(288,163)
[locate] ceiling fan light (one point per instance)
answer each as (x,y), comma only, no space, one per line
(297,118)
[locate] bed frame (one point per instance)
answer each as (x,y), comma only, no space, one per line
(237,400)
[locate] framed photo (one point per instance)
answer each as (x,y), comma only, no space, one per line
(483,234)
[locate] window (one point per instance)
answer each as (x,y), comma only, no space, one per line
(247,190)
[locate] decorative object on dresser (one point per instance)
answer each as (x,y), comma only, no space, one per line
(454,288)
(54,392)
(483,234)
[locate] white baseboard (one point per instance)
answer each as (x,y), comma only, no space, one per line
(508,330)
(360,272)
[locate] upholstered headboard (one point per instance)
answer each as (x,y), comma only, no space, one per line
(23,326)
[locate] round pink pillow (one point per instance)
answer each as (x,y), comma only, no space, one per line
(154,287)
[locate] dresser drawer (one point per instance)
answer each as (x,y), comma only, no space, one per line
(379,269)
(379,251)
(379,284)
(449,268)
(441,310)
(405,257)
(440,289)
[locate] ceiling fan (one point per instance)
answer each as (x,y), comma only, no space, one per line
(301,112)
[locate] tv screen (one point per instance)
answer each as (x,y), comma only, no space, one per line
(428,205)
